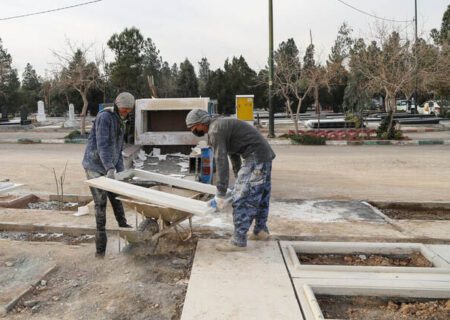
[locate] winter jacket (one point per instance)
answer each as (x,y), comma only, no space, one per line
(105,143)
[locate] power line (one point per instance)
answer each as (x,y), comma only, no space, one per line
(47,11)
(372,15)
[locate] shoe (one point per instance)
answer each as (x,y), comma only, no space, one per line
(100,255)
(229,247)
(260,236)
(125,225)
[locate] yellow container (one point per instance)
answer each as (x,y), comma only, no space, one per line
(244,107)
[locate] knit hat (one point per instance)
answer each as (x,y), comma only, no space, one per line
(125,100)
(197,116)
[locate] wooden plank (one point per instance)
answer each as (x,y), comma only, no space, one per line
(172,181)
(193,206)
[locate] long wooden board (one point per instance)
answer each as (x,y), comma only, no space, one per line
(193,206)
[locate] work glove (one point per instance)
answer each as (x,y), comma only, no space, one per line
(111,174)
(220,202)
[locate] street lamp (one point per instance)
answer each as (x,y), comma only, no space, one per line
(271,111)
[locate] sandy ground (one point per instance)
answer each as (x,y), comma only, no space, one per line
(408,173)
(121,286)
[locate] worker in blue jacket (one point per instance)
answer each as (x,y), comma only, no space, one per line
(103,157)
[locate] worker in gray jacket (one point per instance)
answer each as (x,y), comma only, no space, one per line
(251,195)
(103,157)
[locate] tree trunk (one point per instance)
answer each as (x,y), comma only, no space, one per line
(294,120)
(297,113)
(83,112)
(390,108)
(316,102)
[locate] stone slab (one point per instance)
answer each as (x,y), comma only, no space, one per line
(297,269)
(442,250)
(240,285)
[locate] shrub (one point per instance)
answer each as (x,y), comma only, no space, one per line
(383,131)
(307,139)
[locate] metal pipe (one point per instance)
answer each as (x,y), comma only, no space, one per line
(271,111)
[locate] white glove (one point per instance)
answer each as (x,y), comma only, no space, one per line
(220,202)
(111,174)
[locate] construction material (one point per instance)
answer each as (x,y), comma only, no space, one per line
(162,121)
(168,180)
(20,202)
(253,284)
(291,249)
(152,196)
(8,186)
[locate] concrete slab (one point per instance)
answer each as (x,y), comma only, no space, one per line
(240,285)
(297,269)
(425,228)
(442,250)
(307,290)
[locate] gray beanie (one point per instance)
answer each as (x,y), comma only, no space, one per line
(125,100)
(197,116)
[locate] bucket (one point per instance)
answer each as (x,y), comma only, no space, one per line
(206,165)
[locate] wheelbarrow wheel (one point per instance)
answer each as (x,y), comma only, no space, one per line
(149,226)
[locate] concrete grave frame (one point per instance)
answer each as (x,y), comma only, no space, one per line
(156,138)
(307,291)
(290,250)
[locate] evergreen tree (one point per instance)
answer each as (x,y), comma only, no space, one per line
(336,69)
(9,82)
(187,82)
(443,36)
(31,87)
(127,69)
(203,75)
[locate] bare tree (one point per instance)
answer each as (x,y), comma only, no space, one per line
(291,82)
(387,65)
(75,72)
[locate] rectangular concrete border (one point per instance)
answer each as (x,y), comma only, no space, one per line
(290,250)
(312,311)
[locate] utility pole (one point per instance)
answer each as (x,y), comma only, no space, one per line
(271,111)
(417,59)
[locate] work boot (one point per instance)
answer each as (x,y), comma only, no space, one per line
(229,247)
(260,236)
(125,225)
(100,243)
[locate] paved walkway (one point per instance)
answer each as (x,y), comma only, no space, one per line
(241,285)
(256,283)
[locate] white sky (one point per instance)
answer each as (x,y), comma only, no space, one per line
(196,28)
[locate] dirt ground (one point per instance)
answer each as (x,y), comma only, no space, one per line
(422,214)
(408,173)
(133,285)
(378,308)
(411,260)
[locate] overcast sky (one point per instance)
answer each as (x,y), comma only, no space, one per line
(196,28)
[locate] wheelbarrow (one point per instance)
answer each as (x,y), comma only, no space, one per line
(158,220)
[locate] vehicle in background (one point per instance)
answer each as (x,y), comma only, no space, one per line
(405,106)
(434,107)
